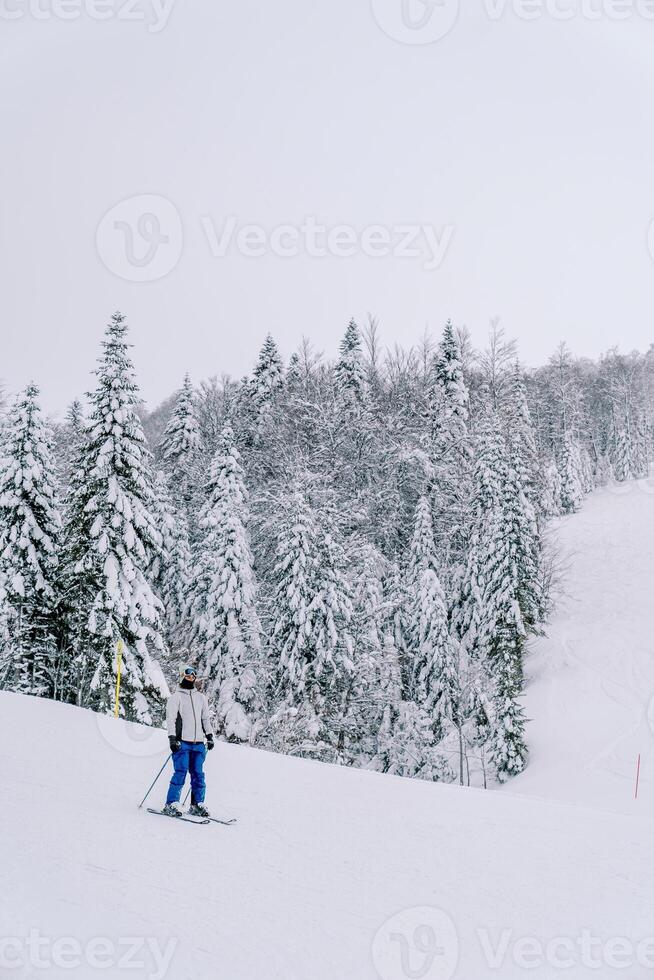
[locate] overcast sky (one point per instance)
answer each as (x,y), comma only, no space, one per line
(512,158)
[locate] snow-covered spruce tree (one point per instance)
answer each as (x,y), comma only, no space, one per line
(294,374)
(520,498)
(349,374)
(509,749)
(180,447)
(522,439)
(469,615)
(225,625)
(449,446)
(111,541)
(171,570)
(68,438)
(449,400)
(311,643)
(263,389)
(489,615)
(550,497)
(390,698)
(622,454)
(367,631)
(641,453)
(435,681)
(509,586)
(572,480)
(30,529)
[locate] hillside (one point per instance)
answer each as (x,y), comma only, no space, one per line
(335,874)
(591,680)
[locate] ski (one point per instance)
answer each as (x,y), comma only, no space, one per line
(160,813)
(225,823)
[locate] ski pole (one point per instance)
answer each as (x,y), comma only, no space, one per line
(155,779)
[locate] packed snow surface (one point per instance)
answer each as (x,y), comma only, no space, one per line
(335,874)
(590,690)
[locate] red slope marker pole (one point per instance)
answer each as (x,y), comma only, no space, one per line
(637,777)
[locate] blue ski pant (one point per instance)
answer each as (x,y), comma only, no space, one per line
(188,758)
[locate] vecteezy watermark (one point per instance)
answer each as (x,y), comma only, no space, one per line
(132,739)
(416,21)
(426,21)
(154,13)
(129,953)
(416,944)
(422,944)
(564,953)
(317,240)
(141,239)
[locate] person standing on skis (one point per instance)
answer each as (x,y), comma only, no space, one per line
(188,723)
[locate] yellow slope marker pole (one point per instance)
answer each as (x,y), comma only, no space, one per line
(120,665)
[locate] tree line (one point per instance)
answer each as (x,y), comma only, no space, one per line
(352,553)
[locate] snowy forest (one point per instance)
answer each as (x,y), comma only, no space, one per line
(353,553)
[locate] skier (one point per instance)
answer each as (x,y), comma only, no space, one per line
(187,720)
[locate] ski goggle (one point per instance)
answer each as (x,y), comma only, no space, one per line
(190,672)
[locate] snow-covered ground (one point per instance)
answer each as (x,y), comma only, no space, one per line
(334,874)
(591,680)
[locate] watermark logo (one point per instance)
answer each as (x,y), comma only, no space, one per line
(416,21)
(426,21)
(141,239)
(35,952)
(130,738)
(154,13)
(314,239)
(417,944)
(564,953)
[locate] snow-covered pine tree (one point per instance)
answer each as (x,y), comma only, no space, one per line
(622,454)
(349,374)
(111,541)
(68,439)
(180,447)
(572,481)
(311,643)
(293,379)
(522,439)
(449,446)
(520,496)
(641,451)
(434,681)
(508,746)
(225,625)
(469,615)
(367,629)
(390,699)
(550,498)
(171,571)
(488,615)
(449,400)
(264,387)
(181,439)
(30,529)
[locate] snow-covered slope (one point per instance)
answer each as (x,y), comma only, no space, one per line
(333,874)
(320,861)
(591,688)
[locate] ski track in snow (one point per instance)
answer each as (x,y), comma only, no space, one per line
(321,857)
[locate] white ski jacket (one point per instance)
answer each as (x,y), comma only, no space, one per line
(187,715)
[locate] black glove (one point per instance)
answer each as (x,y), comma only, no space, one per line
(175,744)
(209,742)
